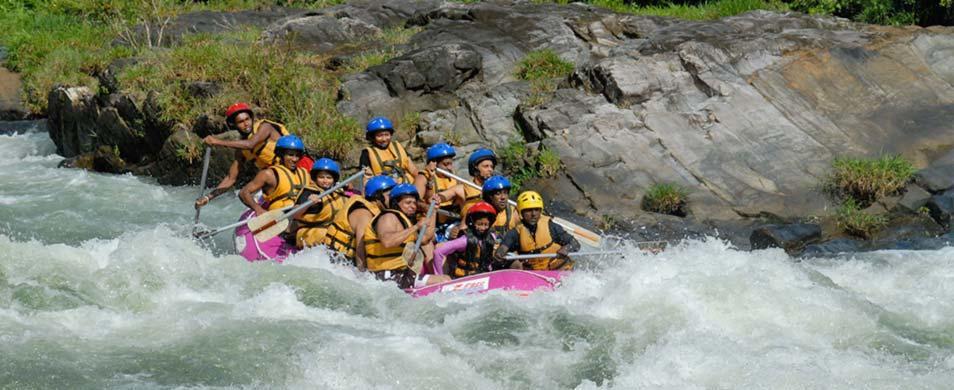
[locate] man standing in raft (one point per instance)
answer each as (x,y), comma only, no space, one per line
(312,225)
(281,183)
(346,233)
(257,144)
(385,156)
(391,232)
(535,234)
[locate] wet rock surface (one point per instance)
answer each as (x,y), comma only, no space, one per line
(792,237)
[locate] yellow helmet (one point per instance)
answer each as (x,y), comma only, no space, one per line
(529,200)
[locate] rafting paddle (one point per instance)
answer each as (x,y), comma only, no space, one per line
(551,255)
(205,175)
(411,254)
(589,238)
(272,223)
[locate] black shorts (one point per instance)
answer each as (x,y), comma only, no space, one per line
(403,277)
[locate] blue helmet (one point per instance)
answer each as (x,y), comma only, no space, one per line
(329,165)
(377,185)
(439,151)
(477,156)
(402,190)
(377,124)
(290,142)
(495,183)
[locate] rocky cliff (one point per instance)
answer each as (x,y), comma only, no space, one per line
(747,112)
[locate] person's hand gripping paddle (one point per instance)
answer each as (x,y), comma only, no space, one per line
(413,255)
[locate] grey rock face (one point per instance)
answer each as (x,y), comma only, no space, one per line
(323,30)
(747,112)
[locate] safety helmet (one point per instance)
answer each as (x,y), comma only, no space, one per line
(494,183)
(477,156)
(401,190)
(377,124)
(329,165)
(439,151)
(378,185)
(235,109)
(479,209)
(529,200)
(290,142)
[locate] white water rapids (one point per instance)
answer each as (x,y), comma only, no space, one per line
(101,287)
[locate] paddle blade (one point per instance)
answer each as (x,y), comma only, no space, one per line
(585,237)
(414,259)
(264,226)
(270,230)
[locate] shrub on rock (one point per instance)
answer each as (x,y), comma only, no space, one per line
(666,198)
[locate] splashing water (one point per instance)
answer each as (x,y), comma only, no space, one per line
(101,287)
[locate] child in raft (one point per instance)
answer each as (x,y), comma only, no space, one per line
(472,252)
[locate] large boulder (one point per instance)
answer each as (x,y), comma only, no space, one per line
(791,237)
(80,122)
(72,120)
(179,162)
(941,208)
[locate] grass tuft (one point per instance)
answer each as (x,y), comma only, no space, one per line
(522,164)
(543,69)
(856,222)
(543,65)
(867,180)
(666,198)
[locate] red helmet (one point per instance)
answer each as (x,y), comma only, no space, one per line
(481,208)
(237,108)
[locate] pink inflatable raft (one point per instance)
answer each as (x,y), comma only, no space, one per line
(520,282)
(251,249)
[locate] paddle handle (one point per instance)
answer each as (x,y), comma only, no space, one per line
(205,175)
(308,204)
(283,216)
(420,233)
(551,255)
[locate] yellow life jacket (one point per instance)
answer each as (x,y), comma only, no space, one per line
(392,161)
(471,197)
(289,186)
(443,183)
(314,226)
(508,219)
(264,152)
(340,234)
(540,242)
(380,258)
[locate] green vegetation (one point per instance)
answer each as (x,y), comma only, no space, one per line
(856,222)
(521,164)
(686,9)
(867,180)
(543,65)
(544,69)
(69,41)
(666,198)
(291,86)
(890,12)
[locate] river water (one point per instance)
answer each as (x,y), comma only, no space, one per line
(101,287)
